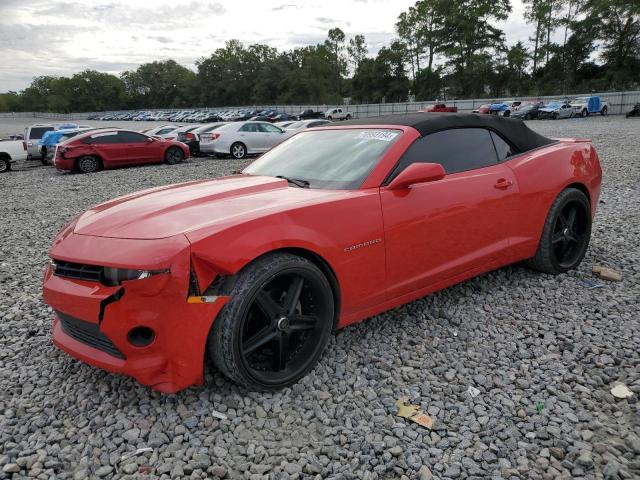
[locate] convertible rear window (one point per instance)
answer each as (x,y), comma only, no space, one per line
(334,159)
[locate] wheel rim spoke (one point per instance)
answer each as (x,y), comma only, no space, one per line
(302,322)
(267,305)
(557,238)
(281,352)
(293,295)
(571,218)
(261,338)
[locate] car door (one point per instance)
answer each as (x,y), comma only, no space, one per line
(140,148)
(566,111)
(109,147)
(439,230)
(272,135)
(252,136)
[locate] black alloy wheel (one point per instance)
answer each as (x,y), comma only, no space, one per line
(570,234)
(276,325)
(566,233)
(5,165)
(173,156)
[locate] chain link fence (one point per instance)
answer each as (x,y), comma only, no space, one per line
(619,103)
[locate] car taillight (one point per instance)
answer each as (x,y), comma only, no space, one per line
(215,136)
(189,136)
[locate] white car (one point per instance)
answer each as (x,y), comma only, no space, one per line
(163,131)
(303,124)
(240,139)
(338,114)
(32,134)
(12,151)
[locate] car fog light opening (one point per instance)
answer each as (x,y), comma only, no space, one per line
(141,336)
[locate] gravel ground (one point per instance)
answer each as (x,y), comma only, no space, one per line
(521,338)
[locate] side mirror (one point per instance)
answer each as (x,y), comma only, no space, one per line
(417,173)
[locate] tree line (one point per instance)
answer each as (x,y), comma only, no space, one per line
(443,49)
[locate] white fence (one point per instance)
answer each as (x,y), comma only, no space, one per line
(619,103)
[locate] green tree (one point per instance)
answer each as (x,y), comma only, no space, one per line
(160,84)
(357,50)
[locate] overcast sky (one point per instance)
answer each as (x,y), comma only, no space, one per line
(62,37)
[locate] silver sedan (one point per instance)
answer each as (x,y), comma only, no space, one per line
(240,139)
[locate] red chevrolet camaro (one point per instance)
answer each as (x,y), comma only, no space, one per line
(330,227)
(114,148)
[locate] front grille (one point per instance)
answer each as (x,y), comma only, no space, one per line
(93,273)
(89,334)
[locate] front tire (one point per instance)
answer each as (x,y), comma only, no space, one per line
(276,325)
(88,164)
(507,113)
(565,235)
(173,156)
(604,111)
(584,113)
(238,150)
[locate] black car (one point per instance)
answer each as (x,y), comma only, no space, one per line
(530,111)
(309,114)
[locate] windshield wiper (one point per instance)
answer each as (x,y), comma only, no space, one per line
(298,182)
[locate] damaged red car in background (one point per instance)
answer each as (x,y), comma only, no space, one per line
(334,225)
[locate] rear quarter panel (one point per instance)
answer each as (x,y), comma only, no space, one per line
(541,175)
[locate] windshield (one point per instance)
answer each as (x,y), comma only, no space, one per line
(334,159)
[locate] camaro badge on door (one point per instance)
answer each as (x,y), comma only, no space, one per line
(363,244)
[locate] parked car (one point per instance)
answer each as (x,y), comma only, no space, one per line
(51,138)
(240,139)
(337,114)
(304,124)
(439,107)
(33,134)
(634,112)
(192,138)
(310,114)
(254,271)
(12,151)
(504,108)
(162,130)
(484,109)
(585,106)
(528,111)
(555,110)
(284,124)
(115,148)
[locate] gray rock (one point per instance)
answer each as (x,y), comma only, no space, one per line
(104,471)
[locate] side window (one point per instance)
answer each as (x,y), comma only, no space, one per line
(103,138)
(131,137)
(249,127)
(503,149)
(268,128)
(457,150)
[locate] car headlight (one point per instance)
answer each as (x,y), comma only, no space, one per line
(115,276)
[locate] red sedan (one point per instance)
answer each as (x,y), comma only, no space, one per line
(334,225)
(114,148)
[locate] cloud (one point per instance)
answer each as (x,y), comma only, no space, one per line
(326,20)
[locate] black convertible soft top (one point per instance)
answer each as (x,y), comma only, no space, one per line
(513,130)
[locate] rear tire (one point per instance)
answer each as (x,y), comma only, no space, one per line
(348,117)
(276,325)
(88,164)
(507,113)
(5,165)
(565,235)
(173,156)
(238,150)
(604,111)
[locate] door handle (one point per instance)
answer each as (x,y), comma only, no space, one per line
(503,183)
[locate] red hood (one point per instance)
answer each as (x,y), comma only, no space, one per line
(174,209)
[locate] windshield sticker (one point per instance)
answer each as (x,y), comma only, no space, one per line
(106,134)
(384,135)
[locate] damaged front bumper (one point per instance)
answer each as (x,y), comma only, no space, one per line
(145,328)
